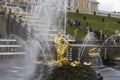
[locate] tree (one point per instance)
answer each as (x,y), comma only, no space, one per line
(94,13)
(118,21)
(84,18)
(103,19)
(77,11)
(109,15)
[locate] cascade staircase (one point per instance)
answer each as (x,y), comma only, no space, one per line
(11,47)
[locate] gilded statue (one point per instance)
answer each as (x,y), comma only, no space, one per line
(92,52)
(61,45)
(4,6)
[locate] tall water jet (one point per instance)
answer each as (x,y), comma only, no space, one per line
(89,39)
(43,24)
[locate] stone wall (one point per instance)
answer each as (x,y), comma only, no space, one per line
(16,26)
(2,25)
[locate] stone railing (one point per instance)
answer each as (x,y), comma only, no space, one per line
(106,13)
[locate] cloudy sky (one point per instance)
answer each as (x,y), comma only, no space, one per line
(109,5)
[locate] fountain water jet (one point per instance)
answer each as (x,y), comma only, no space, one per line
(88,39)
(48,14)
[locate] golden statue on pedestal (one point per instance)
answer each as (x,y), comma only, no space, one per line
(92,52)
(61,46)
(4,6)
(76,33)
(28,37)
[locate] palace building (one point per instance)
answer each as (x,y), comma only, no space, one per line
(83,6)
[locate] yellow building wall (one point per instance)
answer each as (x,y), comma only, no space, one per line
(85,9)
(80,7)
(96,7)
(19,1)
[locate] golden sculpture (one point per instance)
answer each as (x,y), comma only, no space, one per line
(61,46)
(101,34)
(87,63)
(92,52)
(28,37)
(88,30)
(75,33)
(75,63)
(4,6)
(38,62)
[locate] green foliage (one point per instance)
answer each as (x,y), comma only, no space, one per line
(77,11)
(71,73)
(94,13)
(84,18)
(80,35)
(108,26)
(118,21)
(109,15)
(115,55)
(103,19)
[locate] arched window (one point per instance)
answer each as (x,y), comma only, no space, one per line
(69,2)
(82,4)
(88,5)
(77,3)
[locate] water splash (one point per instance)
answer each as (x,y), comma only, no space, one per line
(90,38)
(43,26)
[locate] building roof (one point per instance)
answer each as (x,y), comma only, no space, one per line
(95,1)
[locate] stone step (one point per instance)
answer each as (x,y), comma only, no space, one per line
(8,40)
(3,46)
(35,20)
(39,25)
(48,31)
(13,53)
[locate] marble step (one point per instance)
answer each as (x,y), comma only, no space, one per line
(13,53)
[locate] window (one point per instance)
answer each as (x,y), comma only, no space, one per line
(69,2)
(88,5)
(94,7)
(82,4)
(77,3)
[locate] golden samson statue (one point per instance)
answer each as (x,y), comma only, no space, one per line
(61,45)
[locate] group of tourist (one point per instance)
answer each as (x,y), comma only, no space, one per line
(100,36)
(98,33)
(73,23)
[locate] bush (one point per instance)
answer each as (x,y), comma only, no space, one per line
(109,15)
(118,21)
(94,13)
(73,73)
(86,23)
(84,18)
(103,19)
(77,11)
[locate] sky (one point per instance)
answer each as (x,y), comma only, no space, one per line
(109,5)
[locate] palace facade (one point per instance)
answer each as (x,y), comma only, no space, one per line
(83,6)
